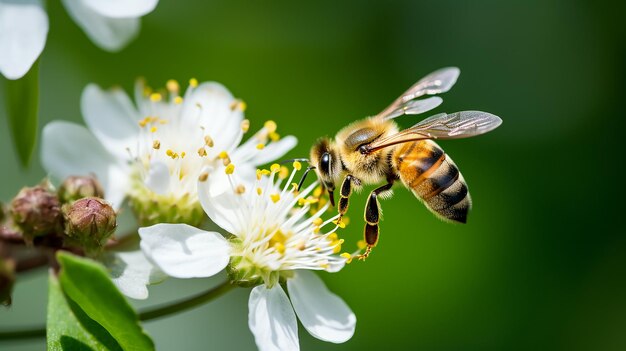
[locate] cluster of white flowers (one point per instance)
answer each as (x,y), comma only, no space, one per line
(273,241)
(109,24)
(179,158)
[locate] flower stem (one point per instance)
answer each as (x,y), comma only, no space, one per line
(186,304)
(150,314)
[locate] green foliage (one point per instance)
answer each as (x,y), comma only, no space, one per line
(69,327)
(22,100)
(94,312)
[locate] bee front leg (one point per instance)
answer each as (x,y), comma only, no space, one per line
(372,217)
(346,191)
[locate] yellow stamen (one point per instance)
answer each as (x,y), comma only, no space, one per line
(222,155)
(258,174)
(172,85)
(202,152)
(182,154)
(297,165)
(284,172)
(260,146)
(341,224)
(226,161)
(178,100)
(270,126)
(275,197)
(245,125)
(230,169)
(203,177)
(332,237)
(208,141)
(259,191)
(318,221)
(274,136)
(240,189)
(280,247)
(318,191)
(153,130)
(347,256)
(275,168)
(155,97)
(156,144)
(193,82)
(361,244)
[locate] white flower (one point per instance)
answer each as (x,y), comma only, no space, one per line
(273,241)
(154,153)
(111,24)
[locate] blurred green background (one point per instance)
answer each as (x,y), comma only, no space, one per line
(542,262)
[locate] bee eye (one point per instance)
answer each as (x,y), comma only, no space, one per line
(325,163)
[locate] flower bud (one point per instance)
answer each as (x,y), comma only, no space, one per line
(78,187)
(36,211)
(88,223)
(7,280)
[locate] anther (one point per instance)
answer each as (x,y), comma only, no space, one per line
(156,144)
(208,141)
(172,85)
(240,189)
(155,97)
(202,152)
(245,125)
(203,177)
(230,169)
(178,100)
(193,82)
(270,126)
(275,197)
(297,165)
(260,146)
(275,168)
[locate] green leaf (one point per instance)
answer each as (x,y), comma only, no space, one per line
(69,327)
(22,111)
(87,284)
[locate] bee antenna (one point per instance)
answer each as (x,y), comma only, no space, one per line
(294,160)
(308,169)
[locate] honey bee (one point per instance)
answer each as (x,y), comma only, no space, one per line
(374,150)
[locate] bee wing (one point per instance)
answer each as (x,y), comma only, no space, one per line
(456,125)
(437,82)
(415,107)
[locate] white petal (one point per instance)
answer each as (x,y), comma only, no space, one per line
(131,272)
(108,33)
(209,105)
(69,149)
(111,117)
(325,315)
(23,31)
(183,251)
(122,8)
(158,179)
(219,201)
(275,150)
(271,319)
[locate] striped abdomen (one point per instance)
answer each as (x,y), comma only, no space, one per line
(425,168)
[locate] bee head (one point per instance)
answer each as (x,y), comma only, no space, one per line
(327,165)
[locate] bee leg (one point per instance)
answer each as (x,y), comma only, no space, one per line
(346,190)
(372,217)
